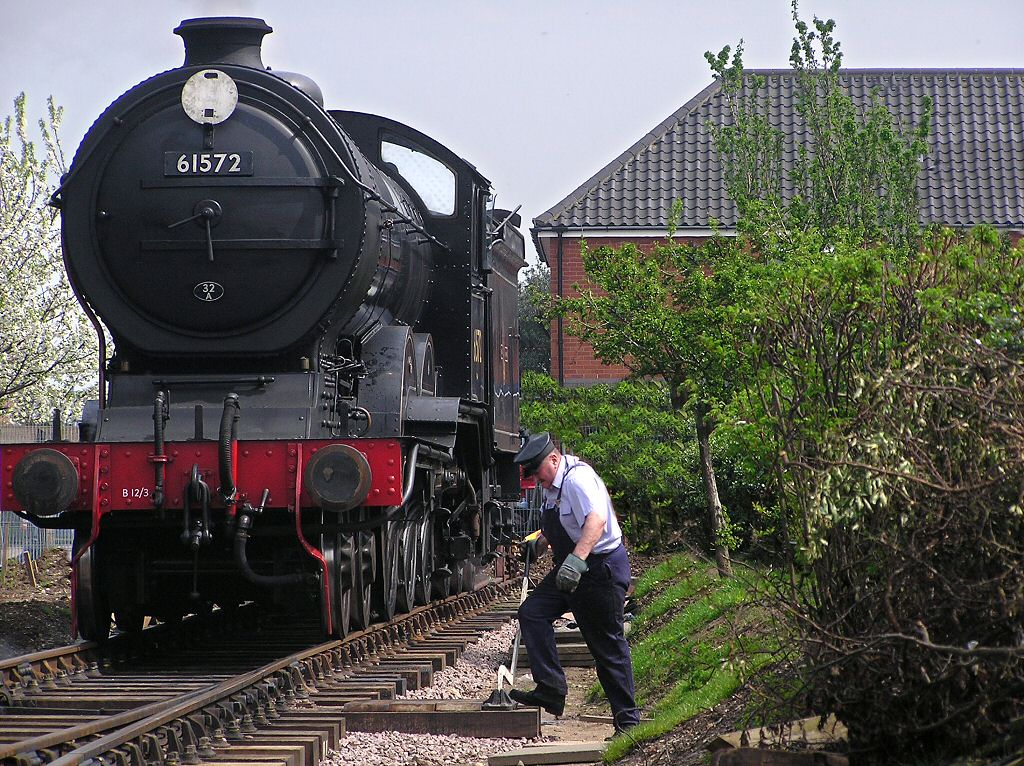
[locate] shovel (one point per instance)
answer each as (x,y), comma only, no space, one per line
(499,699)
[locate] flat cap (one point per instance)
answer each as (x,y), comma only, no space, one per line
(537,447)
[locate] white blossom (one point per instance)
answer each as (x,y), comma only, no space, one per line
(47,345)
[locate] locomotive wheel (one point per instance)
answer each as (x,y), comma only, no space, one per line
(424,560)
(337,550)
(91,606)
(344,573)
(385,587)
(406,584)
(364,571)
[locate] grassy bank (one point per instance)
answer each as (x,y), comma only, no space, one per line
(695,641)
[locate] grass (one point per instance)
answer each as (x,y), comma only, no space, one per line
(668,570)
(695,657)
(674,594)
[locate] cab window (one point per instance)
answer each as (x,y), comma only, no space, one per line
(432,179)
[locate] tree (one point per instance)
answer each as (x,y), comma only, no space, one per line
(846,207)
(663,314)
(854,174)
(534,328)
(638,446)
(688,314)
(47,346)
(647,454)
(885,369)
(891,392)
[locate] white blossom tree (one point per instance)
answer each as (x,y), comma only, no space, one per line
(47,344)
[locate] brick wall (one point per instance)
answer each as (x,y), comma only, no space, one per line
(581,367)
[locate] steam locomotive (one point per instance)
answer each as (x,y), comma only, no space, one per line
(313,391)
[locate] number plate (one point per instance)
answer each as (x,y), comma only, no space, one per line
(208,291)
(207,163)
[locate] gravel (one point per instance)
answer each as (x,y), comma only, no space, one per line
(475,674)
(472,677)
(396,749)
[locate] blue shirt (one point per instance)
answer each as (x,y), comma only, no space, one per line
(583,493)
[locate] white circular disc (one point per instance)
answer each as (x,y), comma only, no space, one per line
(209,97)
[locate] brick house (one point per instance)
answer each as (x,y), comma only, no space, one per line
(973,174)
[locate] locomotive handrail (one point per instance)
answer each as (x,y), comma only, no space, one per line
(240,244)
(259,380)
(57,198)
(500,226)
(372,193)
(230,182)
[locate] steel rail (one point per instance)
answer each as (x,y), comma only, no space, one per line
(281,679)
(12,663)
(48,666)
(156,715)
(45,666)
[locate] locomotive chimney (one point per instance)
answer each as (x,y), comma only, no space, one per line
(223,40)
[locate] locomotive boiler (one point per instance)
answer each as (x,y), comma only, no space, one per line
(312,390)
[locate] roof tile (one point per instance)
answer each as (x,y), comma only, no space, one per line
(972,174)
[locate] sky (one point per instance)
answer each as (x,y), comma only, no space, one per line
(538,94)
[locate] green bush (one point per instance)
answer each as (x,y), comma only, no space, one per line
(647,455)
(892,390)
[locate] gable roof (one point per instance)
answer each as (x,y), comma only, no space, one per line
(974,172)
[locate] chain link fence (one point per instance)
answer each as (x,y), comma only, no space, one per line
(17,536)
(37,432)
(526,513)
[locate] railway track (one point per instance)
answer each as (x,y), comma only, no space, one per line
(269,695)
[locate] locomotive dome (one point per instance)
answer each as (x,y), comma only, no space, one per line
(217,210)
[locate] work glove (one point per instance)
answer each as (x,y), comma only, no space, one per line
(569,574)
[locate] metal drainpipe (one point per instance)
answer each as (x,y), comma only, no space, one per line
(561,337)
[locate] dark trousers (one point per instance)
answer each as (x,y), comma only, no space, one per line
(597,606)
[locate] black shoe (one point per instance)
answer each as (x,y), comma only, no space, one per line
(618,732)
(550,700)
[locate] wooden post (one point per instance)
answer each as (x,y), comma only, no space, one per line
(3,556)
(30,568)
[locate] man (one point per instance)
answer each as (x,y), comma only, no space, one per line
(590,578)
